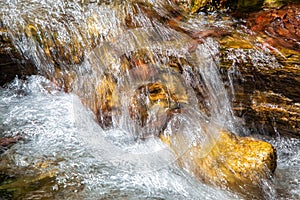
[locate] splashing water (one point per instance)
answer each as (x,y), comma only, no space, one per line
(61,133)
(120,49)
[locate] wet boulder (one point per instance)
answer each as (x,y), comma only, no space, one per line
(240,163)
(223,159)
(266,96)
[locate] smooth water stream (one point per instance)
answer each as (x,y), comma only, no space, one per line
(80,47)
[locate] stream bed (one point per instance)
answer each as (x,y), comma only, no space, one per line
(68,131)
(65,154)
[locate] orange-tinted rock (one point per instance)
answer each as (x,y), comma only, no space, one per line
(280,26)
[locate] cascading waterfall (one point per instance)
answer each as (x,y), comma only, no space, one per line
(120,50)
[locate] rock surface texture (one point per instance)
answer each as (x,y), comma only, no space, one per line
(266,86)
(240,163)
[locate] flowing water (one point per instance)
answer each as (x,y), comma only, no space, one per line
(119,49)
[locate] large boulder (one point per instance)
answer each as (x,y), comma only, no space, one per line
(240,163)
(223,159)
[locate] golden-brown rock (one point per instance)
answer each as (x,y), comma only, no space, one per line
(158,100)
(269,106)
(235,162)
(264,84)
(105,101)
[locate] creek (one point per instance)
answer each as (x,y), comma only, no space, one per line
(73,144)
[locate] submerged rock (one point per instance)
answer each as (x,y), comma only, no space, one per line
(35,181)
(7,142)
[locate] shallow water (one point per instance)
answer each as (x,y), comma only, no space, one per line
(63,153)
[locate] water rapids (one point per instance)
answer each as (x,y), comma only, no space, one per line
(76,47)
